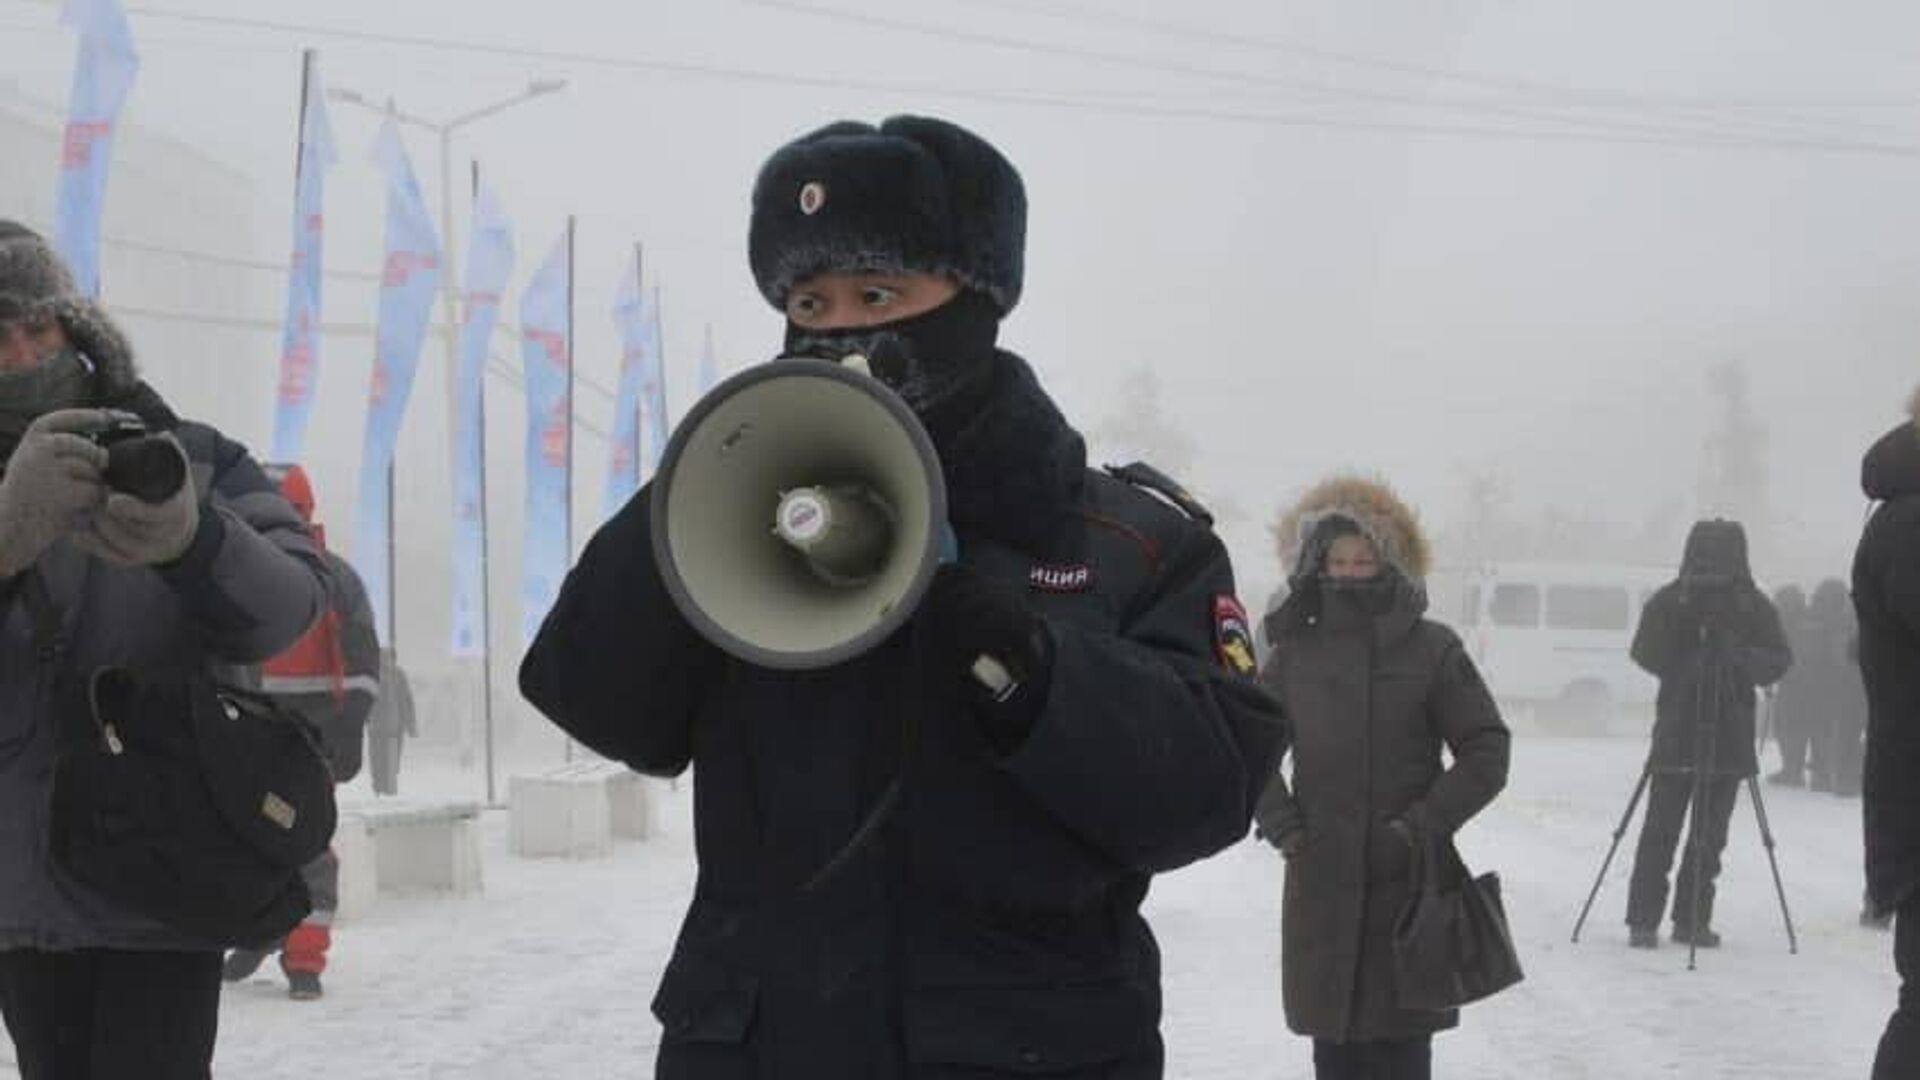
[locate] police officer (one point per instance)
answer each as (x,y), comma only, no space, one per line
(991,927)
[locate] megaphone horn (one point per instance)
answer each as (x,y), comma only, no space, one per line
(799,513)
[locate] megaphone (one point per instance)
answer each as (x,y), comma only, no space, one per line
(799,514)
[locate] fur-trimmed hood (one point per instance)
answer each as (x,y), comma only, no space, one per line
(1372,506)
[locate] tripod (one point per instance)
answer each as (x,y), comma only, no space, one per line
(1711,699)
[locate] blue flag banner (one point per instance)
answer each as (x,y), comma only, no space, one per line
(489,263)
(636,344)
(546,326)
(653,388)
(409,281)
(300,340)
(103,73)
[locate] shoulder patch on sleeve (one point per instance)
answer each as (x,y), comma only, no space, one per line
(1142,475)
(1232,635)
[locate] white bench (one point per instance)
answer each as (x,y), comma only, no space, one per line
(398,845)
(577,811)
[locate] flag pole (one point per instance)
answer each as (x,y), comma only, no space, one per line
(308,57)
(393,526)
(486,571)
(568,525)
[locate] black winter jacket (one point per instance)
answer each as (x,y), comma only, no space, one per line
(1711,647)
(1886,595)
(250,583)
(993,927)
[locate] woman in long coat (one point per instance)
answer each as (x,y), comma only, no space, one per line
(1372,690)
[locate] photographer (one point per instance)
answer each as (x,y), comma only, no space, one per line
(1711,638)
(992,927)
(220,571)
(1886,595)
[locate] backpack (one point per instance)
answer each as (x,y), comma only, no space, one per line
(193,803)
(314,666)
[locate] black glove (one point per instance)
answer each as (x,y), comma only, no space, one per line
(969,615)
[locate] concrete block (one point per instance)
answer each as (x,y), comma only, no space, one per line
(630,803)
(353,844)
(562,813)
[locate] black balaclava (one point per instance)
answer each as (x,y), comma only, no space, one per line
(940,362)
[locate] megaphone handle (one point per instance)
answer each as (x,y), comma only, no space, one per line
(994,675)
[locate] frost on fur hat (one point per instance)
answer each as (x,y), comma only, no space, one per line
(1374,511)
(914,194)
(35,283)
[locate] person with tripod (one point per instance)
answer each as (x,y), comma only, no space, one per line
(1712,638)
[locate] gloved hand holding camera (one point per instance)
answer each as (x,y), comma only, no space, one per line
(122,492)
(52,483)
(151,511)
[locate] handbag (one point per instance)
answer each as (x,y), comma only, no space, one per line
(192,803)
(1451,943)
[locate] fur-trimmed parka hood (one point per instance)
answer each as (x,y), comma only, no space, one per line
(1373,507)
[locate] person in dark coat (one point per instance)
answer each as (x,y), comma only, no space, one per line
(1793,708)
(1886,597)
(990,925)
(393,722)
(221,573)
(1830,661)
(1371,692)
(1712,638)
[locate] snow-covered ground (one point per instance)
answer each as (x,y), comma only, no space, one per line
(548,974)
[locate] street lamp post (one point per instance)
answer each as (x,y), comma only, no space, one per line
(443,130)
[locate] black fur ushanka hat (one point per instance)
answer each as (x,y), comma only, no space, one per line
(914,194)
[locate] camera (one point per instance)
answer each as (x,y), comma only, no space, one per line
(139,463)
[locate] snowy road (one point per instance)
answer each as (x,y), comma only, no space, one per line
(548,974)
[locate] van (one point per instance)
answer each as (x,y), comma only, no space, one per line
(1554,640)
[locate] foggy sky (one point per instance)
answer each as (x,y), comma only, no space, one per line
(1313,296)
